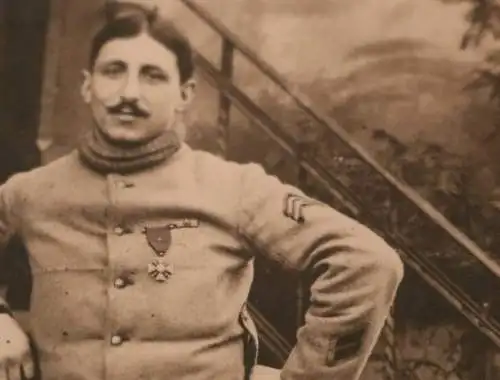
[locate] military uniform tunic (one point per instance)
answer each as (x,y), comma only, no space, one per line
(108,304)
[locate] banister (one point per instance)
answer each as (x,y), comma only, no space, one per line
(280,347)
(316,171)
(306,105)
(422,265)
(227,60)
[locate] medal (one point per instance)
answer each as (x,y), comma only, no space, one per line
(160,271)
(159,238)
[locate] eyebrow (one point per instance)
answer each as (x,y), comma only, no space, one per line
(154,67)
(111,62)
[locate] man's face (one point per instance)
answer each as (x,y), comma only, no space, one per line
(134,90)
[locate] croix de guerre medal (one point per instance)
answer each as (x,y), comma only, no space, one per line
(160,271)
(160,239)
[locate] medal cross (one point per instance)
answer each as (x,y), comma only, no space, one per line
(160,271)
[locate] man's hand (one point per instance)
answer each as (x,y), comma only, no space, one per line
(15,354)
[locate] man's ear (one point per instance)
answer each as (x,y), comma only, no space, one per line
(187,94)
(85,89)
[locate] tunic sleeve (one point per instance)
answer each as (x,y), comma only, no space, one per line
(7,216)
(355,274)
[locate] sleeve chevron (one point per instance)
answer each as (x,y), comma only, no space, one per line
(294,205)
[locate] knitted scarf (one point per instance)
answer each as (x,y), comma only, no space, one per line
(105,157)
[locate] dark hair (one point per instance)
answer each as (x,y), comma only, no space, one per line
(126,20)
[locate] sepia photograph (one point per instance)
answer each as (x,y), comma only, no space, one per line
(249,189)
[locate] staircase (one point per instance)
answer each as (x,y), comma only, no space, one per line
(427,242)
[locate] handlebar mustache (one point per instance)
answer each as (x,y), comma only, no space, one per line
(132,106)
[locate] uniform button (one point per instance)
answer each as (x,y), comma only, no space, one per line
(125,184)
(116,340)
(119,283)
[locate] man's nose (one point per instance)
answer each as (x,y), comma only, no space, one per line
(131,88)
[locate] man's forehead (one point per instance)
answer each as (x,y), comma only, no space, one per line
(142,49)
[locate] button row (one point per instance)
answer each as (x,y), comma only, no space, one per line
(119,282)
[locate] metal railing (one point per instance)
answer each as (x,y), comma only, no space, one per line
(401,210)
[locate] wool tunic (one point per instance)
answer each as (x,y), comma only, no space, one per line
(146,275)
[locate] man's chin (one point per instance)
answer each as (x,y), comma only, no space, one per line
(124,139)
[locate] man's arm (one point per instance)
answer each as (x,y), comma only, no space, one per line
(15,350)
(355,274)
(7,219)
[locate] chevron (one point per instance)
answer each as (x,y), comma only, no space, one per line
(293,206)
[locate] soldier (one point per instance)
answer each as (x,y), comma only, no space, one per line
(142,249)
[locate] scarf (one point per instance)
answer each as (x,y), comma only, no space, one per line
(105,157)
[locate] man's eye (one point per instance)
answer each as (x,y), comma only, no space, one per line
(156,76)
(112,71)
